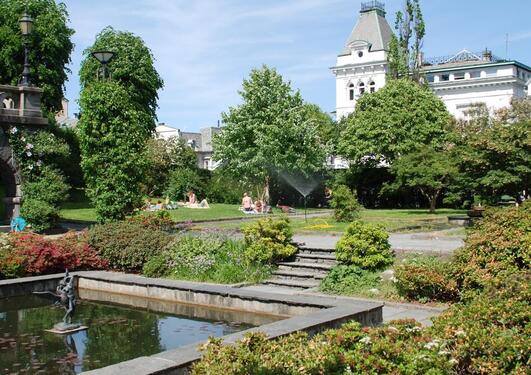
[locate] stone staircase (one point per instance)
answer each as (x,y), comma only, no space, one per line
(4,228)
(305,271)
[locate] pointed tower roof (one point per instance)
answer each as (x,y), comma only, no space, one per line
(372,28)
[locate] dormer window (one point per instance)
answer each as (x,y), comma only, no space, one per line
(361,88)
(360,54)
(351,91)
(372,87)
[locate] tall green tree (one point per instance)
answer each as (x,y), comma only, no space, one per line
(165,156)
(132,66)
(113,149)
(427,170)
(494,153)
(394,121)
(405,50)
(118,118)
(270,132)
(50,47)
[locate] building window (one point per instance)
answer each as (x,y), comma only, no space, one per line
(351,91)
(459,76)
(372,87)
(445,77)
(475,74)
(361,88)
(431,78)
(360,54)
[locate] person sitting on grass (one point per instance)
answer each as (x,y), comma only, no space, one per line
(258,207)
(247,203)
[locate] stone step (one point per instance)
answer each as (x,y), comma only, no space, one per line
(295,284)
(5,228)
(299,275)
(305,266)
(305,250)
(316,258)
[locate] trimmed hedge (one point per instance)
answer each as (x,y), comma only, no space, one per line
(127,245)
(366,246)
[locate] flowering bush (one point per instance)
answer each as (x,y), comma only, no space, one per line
(43,185)
(32,254)
(268,240)
(426,279)
(366,246)
(127,245)
(498,244)
(160,220)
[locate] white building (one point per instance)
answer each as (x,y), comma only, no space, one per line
(461,81)
(200,142)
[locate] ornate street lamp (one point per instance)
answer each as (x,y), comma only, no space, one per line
(26,26)
(104,57)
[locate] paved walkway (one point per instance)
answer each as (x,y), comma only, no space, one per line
(428,242)
(391,311)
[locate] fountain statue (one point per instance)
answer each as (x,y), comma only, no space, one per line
(65,291)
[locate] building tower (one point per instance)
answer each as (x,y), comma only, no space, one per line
(362,64)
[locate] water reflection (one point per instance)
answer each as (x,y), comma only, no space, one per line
(115,334)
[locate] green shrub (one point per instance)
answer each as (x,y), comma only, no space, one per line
(126,245)
(268,240)
(345,204)
(43,195)
(490,333)
(366,246)
(41,215)
(426,279)
(157,266)
(160,220)
(349,280)
(208,259)
(181,181)
(499,243)
(224,189)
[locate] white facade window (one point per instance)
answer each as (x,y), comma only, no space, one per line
(361,88)
(445,77)
(459,76)
(372,87)
(351,93)
(360,54)
(475,74)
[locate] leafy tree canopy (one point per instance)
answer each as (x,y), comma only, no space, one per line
(113,144)
(394,121)
(426,170)
(495,152)
(271,131)
(50,47)
(132,67)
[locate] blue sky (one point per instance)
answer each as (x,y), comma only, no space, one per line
(204,48)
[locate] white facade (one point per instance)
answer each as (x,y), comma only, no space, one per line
(200,142)
(461,81)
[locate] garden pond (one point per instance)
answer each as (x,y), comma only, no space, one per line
(116,333)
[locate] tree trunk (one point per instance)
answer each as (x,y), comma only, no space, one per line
(433,203)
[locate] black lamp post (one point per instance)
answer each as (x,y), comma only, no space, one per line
(26,26)
(103,57)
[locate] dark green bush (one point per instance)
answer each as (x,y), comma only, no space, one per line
(41,215)
(349,280)
(366,246)
(126,245)
(499,243)
(181,181)
(157,266)
(268,240)
(345,204)
(426,279)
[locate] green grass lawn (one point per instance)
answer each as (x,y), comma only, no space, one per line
(392,220)
(79,208)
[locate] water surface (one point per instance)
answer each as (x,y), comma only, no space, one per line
(116,333)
